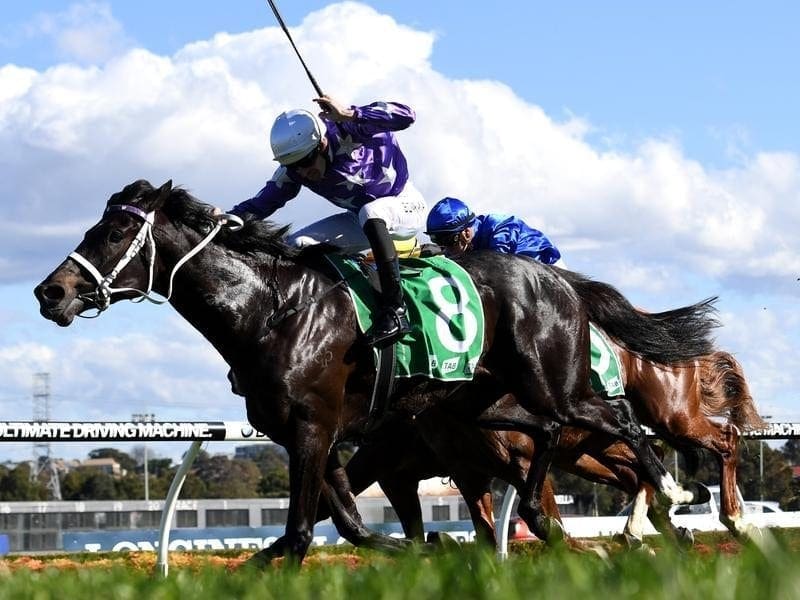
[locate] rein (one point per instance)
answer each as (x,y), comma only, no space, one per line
(101,297)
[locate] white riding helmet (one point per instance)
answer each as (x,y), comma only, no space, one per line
(294,134)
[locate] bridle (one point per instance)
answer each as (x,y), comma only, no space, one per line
(100,298)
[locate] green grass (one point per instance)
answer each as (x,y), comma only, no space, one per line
(704,573)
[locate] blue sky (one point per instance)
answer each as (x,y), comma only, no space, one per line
(715,74)
(656,144)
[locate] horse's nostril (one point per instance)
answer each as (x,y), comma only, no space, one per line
(51,293)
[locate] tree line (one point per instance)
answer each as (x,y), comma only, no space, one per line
(266,475)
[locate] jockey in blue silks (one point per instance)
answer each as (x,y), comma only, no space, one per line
(350,157)
(454,227)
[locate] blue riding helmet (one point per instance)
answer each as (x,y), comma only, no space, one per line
(449,215)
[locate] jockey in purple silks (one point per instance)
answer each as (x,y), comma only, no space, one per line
(454,227)
(350,157)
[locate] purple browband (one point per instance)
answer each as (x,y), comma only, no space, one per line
(131,209)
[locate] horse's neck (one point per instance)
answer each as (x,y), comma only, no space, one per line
(226,297)
(654,379)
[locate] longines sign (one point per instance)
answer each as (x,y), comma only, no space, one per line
(228,538)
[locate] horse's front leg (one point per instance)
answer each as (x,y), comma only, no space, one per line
(477,493)
(308,454)
(726,445)
(658,514)
(345,515)
(531,507)
(616,418)
(402,494)
(545,433)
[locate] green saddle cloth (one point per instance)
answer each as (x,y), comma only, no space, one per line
(447,322)
(444,310)
(606,374)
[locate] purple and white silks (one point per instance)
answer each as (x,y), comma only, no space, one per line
(365,163)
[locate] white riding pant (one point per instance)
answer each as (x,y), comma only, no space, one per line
(404,215)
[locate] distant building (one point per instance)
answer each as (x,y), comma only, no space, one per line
(109,466)
(249,452)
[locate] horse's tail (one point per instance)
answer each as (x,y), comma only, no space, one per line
(666,337)
(725,392)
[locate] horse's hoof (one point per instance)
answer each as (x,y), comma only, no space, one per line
(441,540)
(752,532)
(762,539)
(646,550)
(629,541)
(434,538)
(259,561)
(599,551)
(552,531)
(684,537)
(700,492)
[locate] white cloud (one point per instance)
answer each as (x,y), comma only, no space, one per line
(764,339)
(23,360)
(203,111)
(171,371)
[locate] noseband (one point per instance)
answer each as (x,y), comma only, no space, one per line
(100,298)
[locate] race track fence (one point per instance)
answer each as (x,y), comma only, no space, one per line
(199,432)
(196,432)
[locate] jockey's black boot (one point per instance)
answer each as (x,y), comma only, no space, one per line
(391,322)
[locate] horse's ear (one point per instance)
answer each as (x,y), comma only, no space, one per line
(156,199)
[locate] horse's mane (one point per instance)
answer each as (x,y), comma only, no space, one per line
(256,237)
(725,391)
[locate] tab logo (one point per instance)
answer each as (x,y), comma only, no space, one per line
(449,365)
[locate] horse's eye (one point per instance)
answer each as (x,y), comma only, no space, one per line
(115,236)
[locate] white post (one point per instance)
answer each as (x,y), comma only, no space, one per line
(145,418)
(677,479)
(146,476)
(169,506)
(505,515)
(761,463)
(761,469)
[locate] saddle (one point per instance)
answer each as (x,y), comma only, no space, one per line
(445,313)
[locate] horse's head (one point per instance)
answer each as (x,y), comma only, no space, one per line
(109,252)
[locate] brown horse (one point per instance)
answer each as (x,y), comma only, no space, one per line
(287,329)
(677,401)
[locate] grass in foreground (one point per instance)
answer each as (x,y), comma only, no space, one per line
(705,572)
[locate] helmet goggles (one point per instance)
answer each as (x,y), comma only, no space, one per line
(306,161)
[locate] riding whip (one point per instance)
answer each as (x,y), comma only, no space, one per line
(291,41)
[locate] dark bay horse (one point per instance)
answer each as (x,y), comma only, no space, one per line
(682,403)
(288,331)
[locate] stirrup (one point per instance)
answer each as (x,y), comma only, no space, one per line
(398,327)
